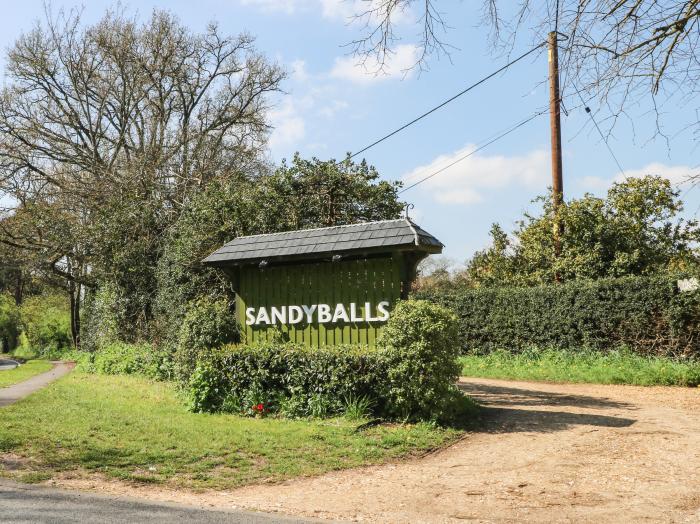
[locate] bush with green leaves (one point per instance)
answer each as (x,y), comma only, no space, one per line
(120,358)
(9,323)
(648,315)
(99,318)
(294,380)
(208,323)
(420,347)
(410,375)
(45,323)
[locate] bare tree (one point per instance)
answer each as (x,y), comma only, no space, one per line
(616,50)
(118,117)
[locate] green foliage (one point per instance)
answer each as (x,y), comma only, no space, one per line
(410,375)
(612,367)
(9,323)
(100,319)
(647,314)
(358,408)
(633,231)
(307,193)
(120,358)
(296,380)
(45,323)
(420,348)
(207,324)
(134,429)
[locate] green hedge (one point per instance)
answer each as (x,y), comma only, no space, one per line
(648,315)
(411,375)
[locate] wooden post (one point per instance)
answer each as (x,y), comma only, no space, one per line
(555,125)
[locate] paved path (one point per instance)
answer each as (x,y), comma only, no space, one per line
(7,364)
(32,504)
(11,394)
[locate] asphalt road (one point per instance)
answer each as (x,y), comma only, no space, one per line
(20,503)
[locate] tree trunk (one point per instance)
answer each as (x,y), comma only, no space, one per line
(19,288)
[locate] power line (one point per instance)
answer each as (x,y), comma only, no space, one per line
(602,136)
(443,104)
(479,148)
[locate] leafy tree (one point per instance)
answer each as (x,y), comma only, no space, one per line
(108,131)
(305,194)
(633,231)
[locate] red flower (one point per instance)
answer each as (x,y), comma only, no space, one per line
(259,408)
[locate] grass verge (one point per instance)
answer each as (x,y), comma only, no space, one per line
(23,372)
(136,430)
(614,367)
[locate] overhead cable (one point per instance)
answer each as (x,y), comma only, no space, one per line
(496,138)
(602,136)
(443,104)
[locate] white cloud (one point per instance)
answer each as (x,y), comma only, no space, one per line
(341,10)
(332,108)
(678,175)
(299,73)
(399,64)
(275,6)
(467,180)
(289,126)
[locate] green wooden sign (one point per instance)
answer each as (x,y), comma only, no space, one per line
(326,286)
(318,303)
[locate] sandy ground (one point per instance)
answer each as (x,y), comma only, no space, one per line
(547,453)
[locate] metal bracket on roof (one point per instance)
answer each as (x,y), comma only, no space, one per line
(410,223)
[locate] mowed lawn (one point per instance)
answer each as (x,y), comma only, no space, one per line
(137,430)
(23,372)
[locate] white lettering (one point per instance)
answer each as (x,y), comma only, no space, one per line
(324,313)
(309,310)
(279,314)
(321,313)
(368,312)
(382,309)
(340,313)
(296,314)
(249,316)
(354,317)
(263,317)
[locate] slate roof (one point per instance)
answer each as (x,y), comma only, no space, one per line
(384,235)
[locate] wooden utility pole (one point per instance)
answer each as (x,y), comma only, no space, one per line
(555,124)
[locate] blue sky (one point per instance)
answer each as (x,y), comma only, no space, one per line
(332,105)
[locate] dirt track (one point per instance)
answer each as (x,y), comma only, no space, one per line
(548,453)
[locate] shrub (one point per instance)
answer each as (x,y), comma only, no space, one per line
(207,324)
(420,348)
(411,374)
(649,315)
(100,319)
(9,323)
(45,322)
(294,380)
(120,358)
